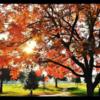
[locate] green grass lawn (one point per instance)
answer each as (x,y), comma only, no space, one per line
(17,90)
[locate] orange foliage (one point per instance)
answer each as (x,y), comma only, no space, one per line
(38,73)
(14,73)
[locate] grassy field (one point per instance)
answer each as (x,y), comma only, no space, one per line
(68,89)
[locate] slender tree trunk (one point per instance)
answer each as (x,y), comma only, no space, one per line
(31,92)
(1,82)
(56,83)
(43,82)
(1,86)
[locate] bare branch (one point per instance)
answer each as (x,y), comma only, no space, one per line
(78,63)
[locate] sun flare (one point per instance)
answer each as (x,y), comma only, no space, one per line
(29,46)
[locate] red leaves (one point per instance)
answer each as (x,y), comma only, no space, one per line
(51,53)
(15,31)
(46,78)
(98,24)
(55,71)
(98,69)
(4,61)
(14,73)
(38,73)
(49,71)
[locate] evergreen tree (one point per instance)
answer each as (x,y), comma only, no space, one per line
(31,82)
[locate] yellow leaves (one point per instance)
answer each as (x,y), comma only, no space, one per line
(38,38)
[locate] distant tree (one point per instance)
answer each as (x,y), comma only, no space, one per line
(4,76)
(77,80)
(31,82)
(22,77)
(57,72)
(74,28)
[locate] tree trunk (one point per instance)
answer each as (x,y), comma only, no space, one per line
(31,92)
(1,81)
(56,83)
(1,86)
(90,89)
(89,85)
(43,82)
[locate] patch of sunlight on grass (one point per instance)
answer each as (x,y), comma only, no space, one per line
(14,90)
(17,89)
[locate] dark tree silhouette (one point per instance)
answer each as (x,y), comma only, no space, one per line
(31,82)
(4,76)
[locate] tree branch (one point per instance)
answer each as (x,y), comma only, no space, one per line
(49,60)
(78,63)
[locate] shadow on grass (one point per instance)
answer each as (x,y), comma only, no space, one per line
(76,91)
(34,95)
(72,88)
(9,93)
(51,89)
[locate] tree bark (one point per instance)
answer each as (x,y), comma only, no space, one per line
(89,85)
(56,83)
(90,89)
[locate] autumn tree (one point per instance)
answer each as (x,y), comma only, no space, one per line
(57,72)
(14,33)
(75,28)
